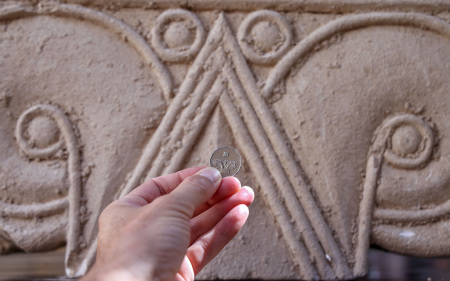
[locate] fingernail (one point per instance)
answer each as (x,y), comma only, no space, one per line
(211,173)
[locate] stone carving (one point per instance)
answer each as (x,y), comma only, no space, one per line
(264,36)
(422,140)
(43,132)
(405,142)
(177,35)
(48,209)
(320,120)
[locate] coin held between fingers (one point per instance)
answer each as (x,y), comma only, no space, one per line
(227,160)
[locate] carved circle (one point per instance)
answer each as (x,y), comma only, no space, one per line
(406,141)
(264,36)
(37,133)
(76,261)
(104,20)
(177,35)
(43,132)
(410,142)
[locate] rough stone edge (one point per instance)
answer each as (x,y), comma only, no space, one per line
(323,6)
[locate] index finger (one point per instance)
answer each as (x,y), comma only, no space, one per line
(152,189)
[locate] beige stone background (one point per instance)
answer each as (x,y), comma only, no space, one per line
(339,109)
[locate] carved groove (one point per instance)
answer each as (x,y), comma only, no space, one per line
(34,210)
(377,154)
(141,46)
(346,24)
(73,161)
(277,25)
(290,166)
(221,76)
(410,216)
(427,143)
(181,53)
(175,107)
(290,233)
(23,122)
(312,214)
(286,191)
(175,110)
(209,103)
(116,26)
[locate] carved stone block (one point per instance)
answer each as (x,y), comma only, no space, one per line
(338,108)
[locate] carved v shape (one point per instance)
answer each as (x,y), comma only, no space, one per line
(220,66)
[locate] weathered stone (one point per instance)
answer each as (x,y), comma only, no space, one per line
(339,111)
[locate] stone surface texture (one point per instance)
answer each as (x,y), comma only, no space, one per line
(339,109)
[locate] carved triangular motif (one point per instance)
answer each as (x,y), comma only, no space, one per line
(220,75)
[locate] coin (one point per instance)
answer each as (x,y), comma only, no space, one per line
(227,160)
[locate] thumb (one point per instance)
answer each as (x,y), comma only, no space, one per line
(196,190)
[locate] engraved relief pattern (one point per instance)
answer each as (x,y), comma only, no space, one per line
(321,123)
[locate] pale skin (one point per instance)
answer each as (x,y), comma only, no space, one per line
(170,227)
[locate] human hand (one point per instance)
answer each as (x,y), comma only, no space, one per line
(170,227)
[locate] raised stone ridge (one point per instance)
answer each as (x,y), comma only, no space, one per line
(340,116)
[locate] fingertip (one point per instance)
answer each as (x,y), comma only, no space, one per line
(228,187)
(239,215)
(242,210)
(232,184)
(216,238)
(249,190)
(210,173)
(197,189)
(250,193)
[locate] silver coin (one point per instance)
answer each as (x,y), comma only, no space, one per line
(227,160)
